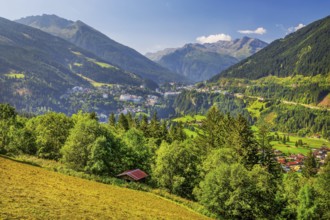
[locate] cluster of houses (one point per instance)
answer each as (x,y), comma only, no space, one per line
(295,162)
(131,98)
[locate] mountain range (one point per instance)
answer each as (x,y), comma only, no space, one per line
(101,45)
(200,62)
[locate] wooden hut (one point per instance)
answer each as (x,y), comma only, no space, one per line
(133,175)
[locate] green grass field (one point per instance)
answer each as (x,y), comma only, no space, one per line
(101,64)
(94,83)
(255,107)
(290,148)
(189,118)
(192,120)
(14,75)
(190,133)
(77,64)
(30,192)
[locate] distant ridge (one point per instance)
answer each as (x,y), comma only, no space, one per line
(92,40)
(200,62)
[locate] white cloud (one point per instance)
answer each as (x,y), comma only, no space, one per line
(294,29)
(259,30)
(213,38)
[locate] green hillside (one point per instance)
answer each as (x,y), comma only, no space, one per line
(92,40)
(36,68)
(29,192)
(304,52)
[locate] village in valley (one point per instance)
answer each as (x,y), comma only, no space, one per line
(295,162)
(116,98)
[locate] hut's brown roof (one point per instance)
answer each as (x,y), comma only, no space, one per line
(136,174)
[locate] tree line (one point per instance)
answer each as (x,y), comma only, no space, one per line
(227,167)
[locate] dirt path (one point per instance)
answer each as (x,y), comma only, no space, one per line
(305,105)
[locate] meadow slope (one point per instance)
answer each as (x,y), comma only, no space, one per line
(30,192)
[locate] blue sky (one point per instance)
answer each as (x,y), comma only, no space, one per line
(151,25)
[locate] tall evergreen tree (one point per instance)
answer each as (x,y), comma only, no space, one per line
(130,120)
(112,120)
(212,130)
(163,130)
(267,157)
(93,115)
(154,126)
(144,125)
(123,122)
(176,132)
(310,166)
(244,143)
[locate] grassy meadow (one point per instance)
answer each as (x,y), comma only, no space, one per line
(30,192)
(290,148)
(94,83)
(190,119)
(14,75)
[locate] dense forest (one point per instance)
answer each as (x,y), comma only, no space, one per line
(192,102)
(300,120)
(303,52)
(227,167)
(281,117)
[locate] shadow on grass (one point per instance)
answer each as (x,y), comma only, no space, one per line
(19,161)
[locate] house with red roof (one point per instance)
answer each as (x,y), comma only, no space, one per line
(133,175)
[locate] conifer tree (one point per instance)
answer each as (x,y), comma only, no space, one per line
(176,132)
(310,168)
(164,130)
(144,125)
(244,143)
(93,116)
(123,122)
(212,135)
(267,157)
(154,126)
(284,139)
(112,120)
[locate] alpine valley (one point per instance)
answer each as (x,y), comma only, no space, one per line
(90,128)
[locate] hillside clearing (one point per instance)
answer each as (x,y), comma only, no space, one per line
(290,148)
(34,193)
(14,75)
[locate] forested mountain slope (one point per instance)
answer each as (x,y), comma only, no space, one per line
(37,68)
(304,52)
(92,40)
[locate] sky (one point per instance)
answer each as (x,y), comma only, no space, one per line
(152,25)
